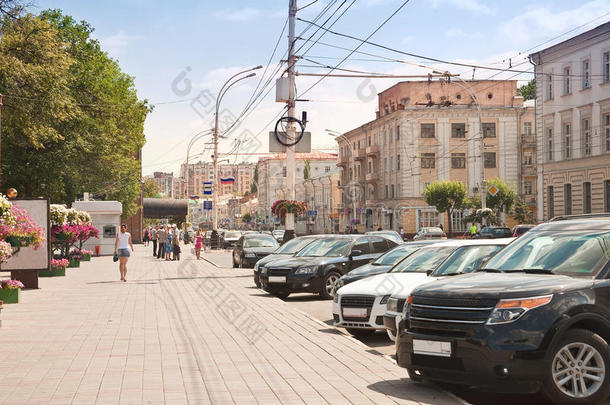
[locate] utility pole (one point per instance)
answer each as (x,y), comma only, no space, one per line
(290,128)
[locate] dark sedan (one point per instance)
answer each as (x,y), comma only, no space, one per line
(493,232)
(384,263)
(288,249)
(250,248)
(318,267)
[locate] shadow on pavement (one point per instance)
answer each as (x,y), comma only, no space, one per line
(477,397)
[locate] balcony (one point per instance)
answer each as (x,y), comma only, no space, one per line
(372,177)
(343,162)
(372,150)
(528,140)
(360,154)
(528,170)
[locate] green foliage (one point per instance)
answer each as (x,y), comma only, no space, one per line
(446,196)
(528,91)
(505,196)
(246,218)
(254,186)
(150,188)
(306,169)
(72,121)
(522,212)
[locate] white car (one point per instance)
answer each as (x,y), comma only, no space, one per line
(360,306)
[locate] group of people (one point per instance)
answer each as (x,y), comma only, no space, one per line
(165,240)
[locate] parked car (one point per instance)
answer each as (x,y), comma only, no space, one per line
(278,234)
(430,233)
(384,263)
(250,248)
(391,235)
(536,316)
(359,307)
(230,238)
(318,267)
(519,230)
(288,249)
(492,232)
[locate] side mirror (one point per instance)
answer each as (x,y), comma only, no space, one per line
(355,253)
(428,272)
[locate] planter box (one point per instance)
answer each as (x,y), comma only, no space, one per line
(74,263)
(9,296)
(86,258)
(53,273)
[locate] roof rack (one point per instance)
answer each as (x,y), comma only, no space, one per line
(580,216)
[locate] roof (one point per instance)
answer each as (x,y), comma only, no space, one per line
(313,155)
(600,223)
(585,36)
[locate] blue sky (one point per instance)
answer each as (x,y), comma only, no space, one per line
(207,41)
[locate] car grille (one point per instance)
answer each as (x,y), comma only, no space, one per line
(448,317)
(278,272)
(262,254)
(358,301)
(401,304)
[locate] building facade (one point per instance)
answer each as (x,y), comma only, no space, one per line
(427,131)
(322,195)
(201,172)
(573,124)
(165,181)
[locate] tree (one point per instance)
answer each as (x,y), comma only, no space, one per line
(246,218)
(528,91)
(306,169)
(504,198)
(254,186)
(150,188)
(446,196)
(522,212)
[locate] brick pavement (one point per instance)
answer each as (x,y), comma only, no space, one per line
(182,332)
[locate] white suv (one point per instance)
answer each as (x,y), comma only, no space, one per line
(360,306)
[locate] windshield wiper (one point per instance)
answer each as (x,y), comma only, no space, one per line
(537,271)
(490,270)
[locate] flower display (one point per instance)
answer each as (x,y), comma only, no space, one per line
(86,252)
(6,251)
(58,214)
(281,207)
(75,255)
(58,264)
(24,232)
(11,284)
(6,215)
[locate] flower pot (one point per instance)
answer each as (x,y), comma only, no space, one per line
(9,295)
(86,258)
(74,263)
(53,273)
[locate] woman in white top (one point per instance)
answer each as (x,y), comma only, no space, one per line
(121,247)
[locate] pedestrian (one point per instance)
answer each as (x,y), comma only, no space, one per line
(146,237)
(161,240)
(440,226)
(153,238)
(176,249)
(168,246)
(198,244)
(473,230)
(122,243)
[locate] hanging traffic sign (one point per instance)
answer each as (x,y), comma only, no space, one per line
(207,205)
(493,190)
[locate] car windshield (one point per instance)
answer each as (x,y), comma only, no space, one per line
(326,247)
(260,241)
(522,230)
(293,246)
(423,260)
(579,254)
(396,254)
(466,259)
(232,235)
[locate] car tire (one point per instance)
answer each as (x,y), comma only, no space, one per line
(559,387)
(413,376)
(329,285)
(281,294)
(257,281)
(241,262)
(360,333)
(391,335)
(234,263)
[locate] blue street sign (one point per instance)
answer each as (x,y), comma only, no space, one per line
(207,205)
(207,188)
(312,213)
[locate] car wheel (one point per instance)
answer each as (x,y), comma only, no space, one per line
(576,373)
(281,294)
(241,262)
(234,262)
(360,332)
(329,286)
(414,376)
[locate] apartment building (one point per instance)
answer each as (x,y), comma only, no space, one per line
(322,195)
(430,130)
(165,181)
(201,172)
(272,176)
(573,124)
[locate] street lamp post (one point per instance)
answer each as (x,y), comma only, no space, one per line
(352,165)
(195,138)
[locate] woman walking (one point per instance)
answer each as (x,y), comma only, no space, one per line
(198,244)
(168,247)
(146,236)
(121,248)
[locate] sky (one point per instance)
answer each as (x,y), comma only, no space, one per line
(181,52)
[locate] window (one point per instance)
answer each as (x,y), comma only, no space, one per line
(370,167)
(566,81)
(586,74)
(428,161)
(284,171)
(391,163)
(567,141)
(427,130)
(327,169)
(363,246)
(607,195)
(528,158)
(606,67)
(586,137)
(606,122)
(386,191)
(489,130)
(385,164)
(429,218)
(490,160)
(397,162)
(549,87)
(397,133)
(567,199)
(457,221)
(586,197)
(549,144)
(550,201)
(369,140)
(109,231)
(527,188)
(527,128)
(458,160)
(458,130)
(351,174)
(392,191)
(380,245)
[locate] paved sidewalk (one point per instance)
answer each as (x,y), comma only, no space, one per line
(182,332)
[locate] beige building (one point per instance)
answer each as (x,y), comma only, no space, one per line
(201,172)
(573,124)
(427,131)
(322,195)
(165,181)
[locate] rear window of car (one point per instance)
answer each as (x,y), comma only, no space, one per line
(423,260)
(260,241)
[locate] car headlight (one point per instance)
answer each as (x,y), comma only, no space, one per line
(384,299)
(256,266)
(263,271)
(307,270)
(392,305)
(250,254)
(510,310)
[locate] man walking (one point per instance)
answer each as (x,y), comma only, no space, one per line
(153,238)
(161,240)
(473,230)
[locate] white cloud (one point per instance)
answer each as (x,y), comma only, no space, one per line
(541,22)
(474,6)
(459,33)
(116,44)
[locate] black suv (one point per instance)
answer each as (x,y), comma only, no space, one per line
(318,267)
(537,315)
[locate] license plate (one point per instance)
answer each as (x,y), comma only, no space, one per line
(277,279)
(432,348)
(355,312)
